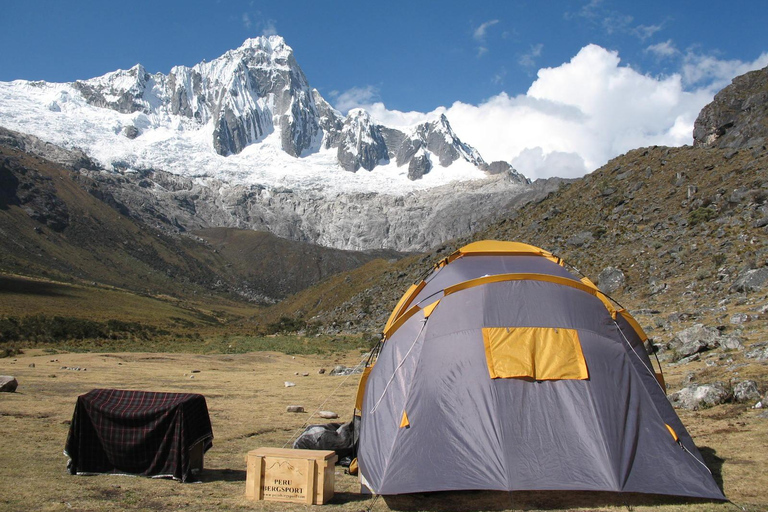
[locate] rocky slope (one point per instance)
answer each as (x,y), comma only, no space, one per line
(243,141)
(677,235)
(738,116)
(62,224)
(351,221)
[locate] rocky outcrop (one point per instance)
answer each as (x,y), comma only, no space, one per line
(71,159)
(701,396)
(361,143)
(35,193)
(256,90)
(412,222)
(8,384)
(738,116)
(438,138)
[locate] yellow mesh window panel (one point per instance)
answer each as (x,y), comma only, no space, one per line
(540,353)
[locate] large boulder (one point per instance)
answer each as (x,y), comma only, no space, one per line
(746,391)
(8,384)
(695,339)
(751,280)
(696,396)
(611,279)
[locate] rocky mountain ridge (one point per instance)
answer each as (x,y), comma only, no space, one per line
(351,221)
(283,159)
(259,89)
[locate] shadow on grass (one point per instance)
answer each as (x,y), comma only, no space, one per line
(221,475)
(30,287)
(341,498)
(455,501)
(714,463)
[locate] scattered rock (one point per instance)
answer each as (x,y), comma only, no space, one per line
(195,371)
(611,279)
(294,408)
(750,280)
(695,339)
(31,365)
(695,396)
(579,239)
(321,371)
(746,391)
(741,318)
(343,370)
(656,286)
(131,132)
(328,415)
(8,384)
(760,353)
(305,374)
(289,384)
(730,343)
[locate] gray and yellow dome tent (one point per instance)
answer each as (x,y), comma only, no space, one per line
(503,371)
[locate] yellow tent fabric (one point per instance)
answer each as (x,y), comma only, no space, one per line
(488,247)
(540,353)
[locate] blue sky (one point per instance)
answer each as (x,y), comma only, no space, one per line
(396,57)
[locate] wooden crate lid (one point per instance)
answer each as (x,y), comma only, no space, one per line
(291,453)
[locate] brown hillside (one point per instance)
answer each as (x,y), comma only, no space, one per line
(58,224)
(681,224)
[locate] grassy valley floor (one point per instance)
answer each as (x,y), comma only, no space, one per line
(247,401)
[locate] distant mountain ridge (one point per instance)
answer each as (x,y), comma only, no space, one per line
(243,141)
(258,91)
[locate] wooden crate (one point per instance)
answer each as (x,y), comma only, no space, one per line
(295,476)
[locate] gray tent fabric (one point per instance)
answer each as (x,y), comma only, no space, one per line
(433,419)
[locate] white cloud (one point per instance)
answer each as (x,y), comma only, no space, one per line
(481,50)
(269,28)
(480,31)
(528,60)
(645,32)
(713,73)
(247,20)
(577,116)
(354,97)
(663,50)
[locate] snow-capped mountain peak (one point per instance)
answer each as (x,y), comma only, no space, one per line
(248,116)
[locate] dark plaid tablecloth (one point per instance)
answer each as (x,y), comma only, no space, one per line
(137,432)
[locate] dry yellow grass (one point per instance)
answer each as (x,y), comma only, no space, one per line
(246,398)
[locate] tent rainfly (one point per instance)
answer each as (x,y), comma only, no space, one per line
(501,370)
